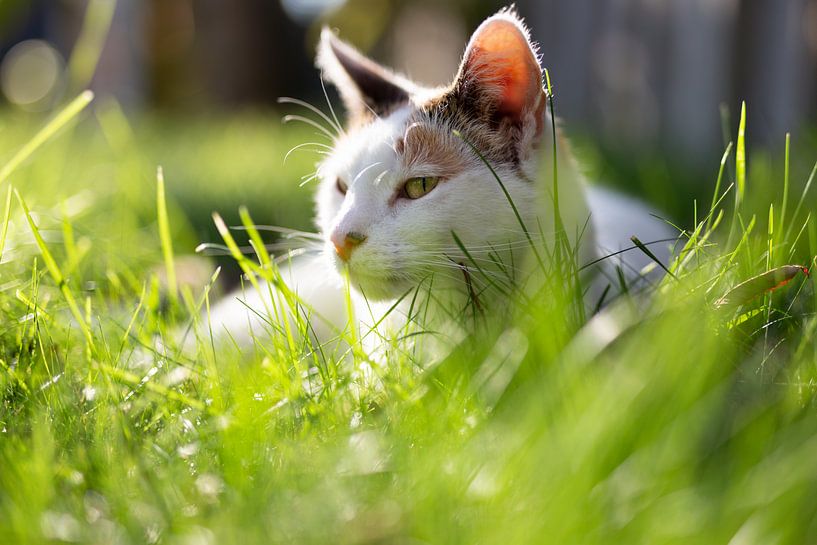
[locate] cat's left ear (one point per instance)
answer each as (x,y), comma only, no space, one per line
(500,77)
(365,87)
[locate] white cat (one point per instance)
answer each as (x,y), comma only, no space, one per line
(448,187)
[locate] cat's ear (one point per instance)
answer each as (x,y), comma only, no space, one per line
(365,87)
(500,77)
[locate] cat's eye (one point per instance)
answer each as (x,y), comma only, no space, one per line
(414,188)
(341,185)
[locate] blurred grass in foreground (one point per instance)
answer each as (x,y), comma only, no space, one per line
(682,423)
(101,174)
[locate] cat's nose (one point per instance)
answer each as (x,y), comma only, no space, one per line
(345,243)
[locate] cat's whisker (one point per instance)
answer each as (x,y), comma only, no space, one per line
(295,253)
(454,265)
(484,248)
(609,254)
(311,122)
(534,237)
(331,109)
(298,102)
(519,239)
(380,177)
(325,153)
(215,249)
(285,231)
(304,145)
(212,248)
(446,256)
(364,170)
(289,245)
(477,248)
(308,178)
(488,265)
(419,276)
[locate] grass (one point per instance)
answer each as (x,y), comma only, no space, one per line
(688,419)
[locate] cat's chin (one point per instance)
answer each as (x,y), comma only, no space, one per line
(374,284)
(378,287)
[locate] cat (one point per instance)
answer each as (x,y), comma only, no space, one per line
(443,187)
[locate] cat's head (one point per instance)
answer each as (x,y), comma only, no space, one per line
(402,190)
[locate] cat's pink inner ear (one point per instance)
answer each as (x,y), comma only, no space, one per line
(500,58)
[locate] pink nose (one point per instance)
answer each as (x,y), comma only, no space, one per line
(345,243)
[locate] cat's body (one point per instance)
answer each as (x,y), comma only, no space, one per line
(439,186)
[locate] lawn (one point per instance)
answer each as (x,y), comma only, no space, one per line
(687,417)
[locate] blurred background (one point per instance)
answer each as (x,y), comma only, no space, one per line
(649,89)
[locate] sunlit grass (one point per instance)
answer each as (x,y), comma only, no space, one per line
(685,418)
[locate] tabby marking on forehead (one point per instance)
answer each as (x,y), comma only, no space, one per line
(428,145)
(498,144)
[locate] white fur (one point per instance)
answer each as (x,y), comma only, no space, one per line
(406,241)
(411,241)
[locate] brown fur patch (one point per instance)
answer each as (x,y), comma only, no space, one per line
(496,101)
(426,143)
(400,146)
(471,115)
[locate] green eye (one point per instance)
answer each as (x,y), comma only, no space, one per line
(415,188)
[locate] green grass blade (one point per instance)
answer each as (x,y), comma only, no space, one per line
(516,213)
(770,241)
(135,381)
(56,274)
(126,334)
(726,131)
(72,252)
(740,157)
(485,275)
(91,41)
(812,245)
(715,198)
(802,199)
(251,270)
(557,220)
(164,235)
(235,251)
(49,130)
(272,275)
(6,219)
(785,203)
(255,237)
(641,246)
(758,285)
